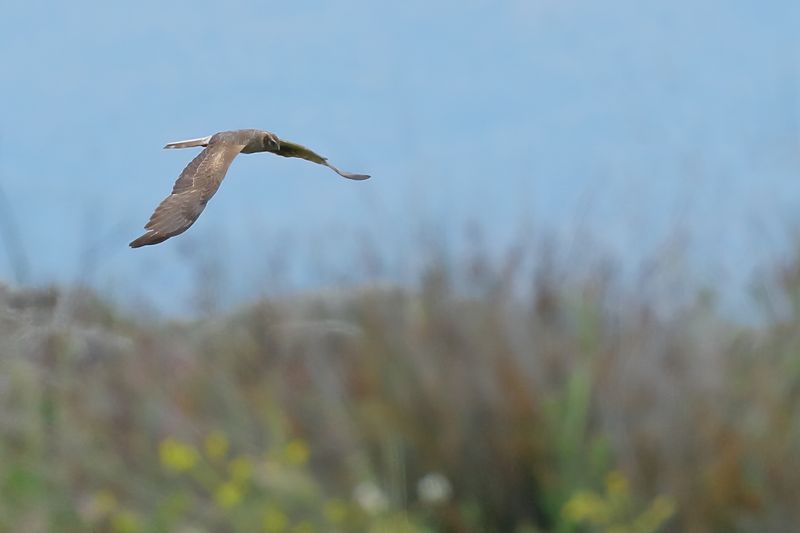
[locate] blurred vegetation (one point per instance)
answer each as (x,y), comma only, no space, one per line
(506,395)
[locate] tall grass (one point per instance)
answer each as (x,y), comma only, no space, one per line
(489,395)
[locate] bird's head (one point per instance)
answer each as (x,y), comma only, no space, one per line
(270,141)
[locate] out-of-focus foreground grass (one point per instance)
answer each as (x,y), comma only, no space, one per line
(488,396)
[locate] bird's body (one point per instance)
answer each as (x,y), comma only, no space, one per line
(202,177)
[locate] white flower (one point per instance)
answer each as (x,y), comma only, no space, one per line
(434,488)
(370,497)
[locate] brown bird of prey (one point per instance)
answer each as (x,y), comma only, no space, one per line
(201,178)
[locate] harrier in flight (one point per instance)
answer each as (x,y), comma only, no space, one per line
(201,178)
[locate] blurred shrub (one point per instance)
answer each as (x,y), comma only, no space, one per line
(490,396)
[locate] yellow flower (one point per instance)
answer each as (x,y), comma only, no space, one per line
(662,507)
(228,495)
(586,506)
(125,522)
(275,520)
(335,511)
(616,484)
(216,445)
(659,511)
(303,527)
(104,502)
(296,452)
(177,456)
(241,469)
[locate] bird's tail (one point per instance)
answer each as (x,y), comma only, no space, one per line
(202,141)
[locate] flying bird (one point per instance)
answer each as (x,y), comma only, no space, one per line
(201,178)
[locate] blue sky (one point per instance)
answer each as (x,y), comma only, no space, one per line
(627,119)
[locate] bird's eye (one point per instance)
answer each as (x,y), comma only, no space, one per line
(271,141)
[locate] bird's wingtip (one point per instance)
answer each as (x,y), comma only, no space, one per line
(351,176)
(137,243)
(348,175)
(147,239)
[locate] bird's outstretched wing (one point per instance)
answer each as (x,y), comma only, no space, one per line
(194,187)
(290,149)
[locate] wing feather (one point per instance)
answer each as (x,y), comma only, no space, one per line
(290,149)
(194,187)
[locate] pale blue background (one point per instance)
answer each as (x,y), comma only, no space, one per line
(629,120)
